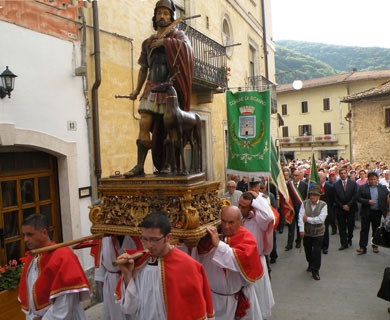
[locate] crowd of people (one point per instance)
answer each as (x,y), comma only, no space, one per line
(230,276)
(344,193)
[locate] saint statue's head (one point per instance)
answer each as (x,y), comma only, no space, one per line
(168,4)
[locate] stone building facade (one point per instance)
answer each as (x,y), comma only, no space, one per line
(370,121)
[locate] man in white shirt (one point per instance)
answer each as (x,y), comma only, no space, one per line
(233,194)
(311,223)
(386,179)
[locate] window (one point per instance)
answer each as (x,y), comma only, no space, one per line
(284,109)
(285,132)
(252,59)
(227,36)
(305,107)
(179,9)
(327,128)
(387,117)
(305,130)
(326,104)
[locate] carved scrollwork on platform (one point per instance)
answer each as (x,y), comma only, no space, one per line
(192,218)
(208,206)
(96,214)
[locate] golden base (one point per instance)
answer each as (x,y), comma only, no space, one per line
(191,203)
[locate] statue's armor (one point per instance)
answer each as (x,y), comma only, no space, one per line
(158,71)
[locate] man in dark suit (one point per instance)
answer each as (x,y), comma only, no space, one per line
(346,205)
(242,185)
(373,197)
(298,192)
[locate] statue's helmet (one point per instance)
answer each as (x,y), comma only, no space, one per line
(166,4)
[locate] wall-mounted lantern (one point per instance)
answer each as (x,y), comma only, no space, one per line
(7,83)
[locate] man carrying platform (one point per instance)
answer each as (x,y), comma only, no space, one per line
(53,283)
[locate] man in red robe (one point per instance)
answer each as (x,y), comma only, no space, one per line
(53,283)
(163,54)
(168,284)
(233,265)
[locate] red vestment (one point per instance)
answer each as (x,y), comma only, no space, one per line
(185,287)
(244,247)
(59,272)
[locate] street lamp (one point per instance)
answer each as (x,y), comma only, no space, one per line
(7,81)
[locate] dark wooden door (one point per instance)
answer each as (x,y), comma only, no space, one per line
(28,185)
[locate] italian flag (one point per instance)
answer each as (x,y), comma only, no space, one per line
(285,201)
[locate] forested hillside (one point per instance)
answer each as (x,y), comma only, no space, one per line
(308,60)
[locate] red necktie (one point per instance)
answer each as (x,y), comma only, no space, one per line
(345,185)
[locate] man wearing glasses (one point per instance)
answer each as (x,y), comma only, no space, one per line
(233,194)
(169,284)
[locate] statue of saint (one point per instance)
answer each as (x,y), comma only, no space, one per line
(163,54)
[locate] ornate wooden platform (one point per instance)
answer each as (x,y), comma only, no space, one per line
(191,203)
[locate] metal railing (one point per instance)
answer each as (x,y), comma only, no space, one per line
(210,70)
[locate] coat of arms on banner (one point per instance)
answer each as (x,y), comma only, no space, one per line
(248,131)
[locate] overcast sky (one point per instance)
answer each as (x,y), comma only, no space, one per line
(363,23)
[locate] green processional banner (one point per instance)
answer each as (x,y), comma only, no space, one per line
(248,116)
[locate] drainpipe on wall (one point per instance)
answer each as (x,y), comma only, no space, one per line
(265,48)
(95,93)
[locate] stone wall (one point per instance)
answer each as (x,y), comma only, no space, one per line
(370,138)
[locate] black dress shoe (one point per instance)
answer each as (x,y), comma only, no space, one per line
(287,248)
(350,243)
(325,251)
(298,245)
(272,260)
(308,269)
(316,276)
(343,247)
(334,232)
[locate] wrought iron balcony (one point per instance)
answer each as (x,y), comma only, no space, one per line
(210,70)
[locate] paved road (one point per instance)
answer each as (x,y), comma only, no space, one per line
(347,289)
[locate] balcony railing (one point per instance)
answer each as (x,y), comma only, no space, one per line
(210,70)
(311,139)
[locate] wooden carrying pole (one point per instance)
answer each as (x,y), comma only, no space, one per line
(134,256)
(67,243)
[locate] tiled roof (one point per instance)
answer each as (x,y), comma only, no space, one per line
(337,79)
(382,90)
